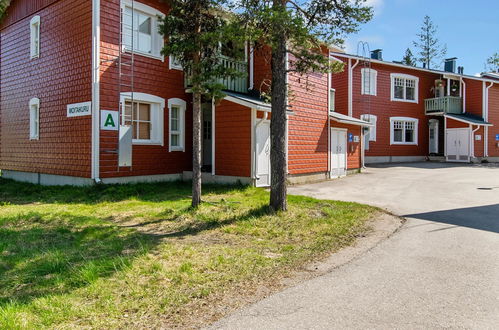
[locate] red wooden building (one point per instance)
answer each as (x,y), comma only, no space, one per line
(86,96)
(417,113)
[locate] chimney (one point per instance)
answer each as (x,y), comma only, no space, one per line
(450,64)
(460,70)
(377,54)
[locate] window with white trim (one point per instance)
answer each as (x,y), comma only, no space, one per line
(404,88)
(145,114)
(372,119)
(174,63)
(140,29)
(369,81)
(403,130)
(176,117)
(34,119)
(35,37)
(332,100)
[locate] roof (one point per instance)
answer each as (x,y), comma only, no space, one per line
(344,119)
(248,101)
(468,118)
(400,65)
(493,75)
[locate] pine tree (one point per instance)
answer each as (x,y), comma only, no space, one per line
(298,28)
(430,51)
(3,7)
(195,29)
(408,58)
(493,63)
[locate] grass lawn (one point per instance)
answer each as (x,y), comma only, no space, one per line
(137,256)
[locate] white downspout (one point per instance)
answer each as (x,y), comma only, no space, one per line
(329,85)
(213,131)
(265,117)
(95,162)
(486,118)
(463,94)
(350,85)
(472,144)
(252,68)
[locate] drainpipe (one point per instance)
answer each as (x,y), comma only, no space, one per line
(329,85)
(350,85)
(463,94)
(255,155)
(95,158)
(472,144)
(486,117)
(213,130)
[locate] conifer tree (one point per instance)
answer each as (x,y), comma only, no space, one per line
(430,51)
(408,58)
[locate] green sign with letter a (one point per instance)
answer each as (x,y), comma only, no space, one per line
(109,120)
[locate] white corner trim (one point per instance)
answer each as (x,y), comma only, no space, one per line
(95,167)
(403,76)
(252,68)
(183,107)
(416,130)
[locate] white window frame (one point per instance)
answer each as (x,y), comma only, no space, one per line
(373,88)
(406,77)
(332,100)
(34,26)
(157,38)
(157,116)
(183,106)
(173,65)
(34,119)
(404,120)
(372,129)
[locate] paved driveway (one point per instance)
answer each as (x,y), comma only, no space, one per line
(441,270)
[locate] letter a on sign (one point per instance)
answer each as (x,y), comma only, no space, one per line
(109,120)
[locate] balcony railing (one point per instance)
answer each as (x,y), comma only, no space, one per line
(239,84)
(446,104)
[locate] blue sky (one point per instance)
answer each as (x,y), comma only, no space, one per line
(469,28)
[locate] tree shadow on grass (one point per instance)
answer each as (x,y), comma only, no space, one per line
(18,193)
(46,260)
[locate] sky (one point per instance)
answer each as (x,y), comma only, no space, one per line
(470,28)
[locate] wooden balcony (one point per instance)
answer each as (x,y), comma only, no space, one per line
(446,104)
(239,84)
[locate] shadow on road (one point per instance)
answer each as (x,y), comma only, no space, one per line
(482,217)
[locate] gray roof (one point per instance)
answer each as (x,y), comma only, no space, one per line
(248,101)
(347,119)
(469,118)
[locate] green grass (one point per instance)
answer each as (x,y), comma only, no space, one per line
(138,256)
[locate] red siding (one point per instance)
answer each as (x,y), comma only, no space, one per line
(262,70)
(339,81)
(152,76)
(61,76)
(233,140)
(493,119)
(474,97)
(19,10)
(354,151)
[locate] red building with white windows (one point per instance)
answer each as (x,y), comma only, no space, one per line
(86,96)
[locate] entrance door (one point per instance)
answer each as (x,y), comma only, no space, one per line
(433,136)
(207,138)
(263,154)
(338,153)
(458,144)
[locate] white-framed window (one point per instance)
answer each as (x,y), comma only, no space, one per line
(140,29)
(34,119)
(332,100)
(404,88)
(372,129)
(403,130)
(34,26)
(174,64)
(145,114)
(369,81)
(176,108)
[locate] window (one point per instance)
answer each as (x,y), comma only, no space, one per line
(140,29)
(404,88)
(144,113)
(174,63)
(369,81)
(372,129)
(34,119)
(403,130)
(177,124)
(35,37)
(332,96)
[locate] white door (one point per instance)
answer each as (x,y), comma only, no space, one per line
(263,154)
(338,153)
(458,144)
(433,136)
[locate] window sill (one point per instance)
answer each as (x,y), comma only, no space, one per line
(369,94)
(178,68)
(155,57)
(403,144)
(146,143)
(177,149)
(405,101)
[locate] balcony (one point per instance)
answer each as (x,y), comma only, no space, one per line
(446,104)
(239,84)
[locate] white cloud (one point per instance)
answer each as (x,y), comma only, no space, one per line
(377,6)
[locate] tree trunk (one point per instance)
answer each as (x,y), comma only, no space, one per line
(279,168)
(196,150)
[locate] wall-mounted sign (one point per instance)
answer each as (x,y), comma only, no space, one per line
(478,138)
(350,137)
(109,120)
(80,109)
(356,139)
(497,137)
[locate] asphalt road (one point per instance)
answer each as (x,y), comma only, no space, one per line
(441,270)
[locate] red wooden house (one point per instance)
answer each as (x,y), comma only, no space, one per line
(86,96)
(417,113)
